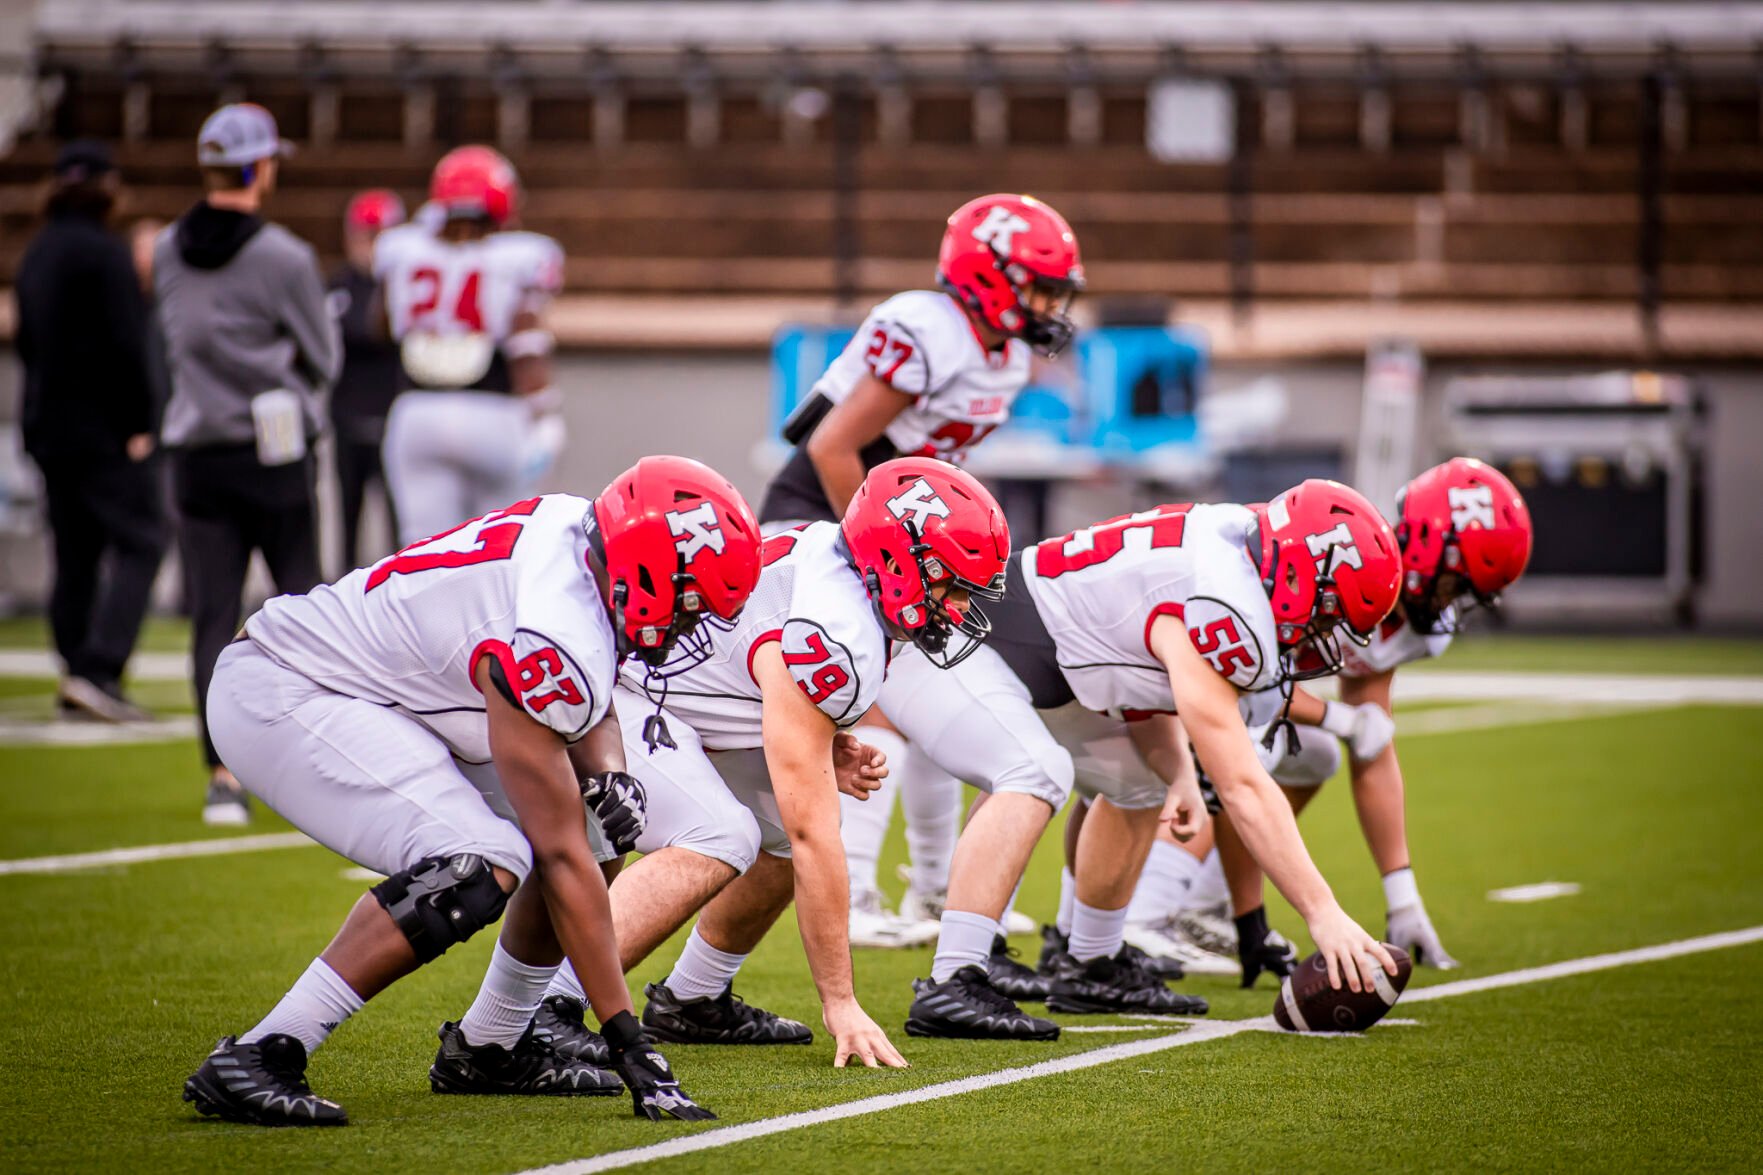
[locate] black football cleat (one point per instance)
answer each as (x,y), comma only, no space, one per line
(530,1069)
(561,1023)
(1116,984)
(721,1019)
(262,1084)
(1055,944)
(1013,979)
(966,1006)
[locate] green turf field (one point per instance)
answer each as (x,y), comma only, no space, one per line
(118,980)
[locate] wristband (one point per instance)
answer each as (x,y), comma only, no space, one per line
(1338,719)
(1400,889)
(622,1032)
(529,344)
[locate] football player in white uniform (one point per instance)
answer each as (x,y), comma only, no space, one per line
(440,717)
(1185,608)
(465,301)
(1465,536)
(743,798)
(929,373)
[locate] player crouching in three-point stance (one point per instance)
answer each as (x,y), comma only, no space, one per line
(1190,608)
(744,798)
(1465,536)
(429,717)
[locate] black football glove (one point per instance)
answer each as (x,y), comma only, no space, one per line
(655,1092)
(1262,949)
(621,804)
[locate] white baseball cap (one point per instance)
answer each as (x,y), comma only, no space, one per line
(240,134)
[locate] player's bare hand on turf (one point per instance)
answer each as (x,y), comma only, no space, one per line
(1349,951)
(857,1037)
(858,768)
(1410,929)
(1184,810)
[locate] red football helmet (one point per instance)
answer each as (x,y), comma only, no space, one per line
(1464,530)
(476,183)
(998,248)
(679,544)
(1327,558)
(916,522)
(373,210)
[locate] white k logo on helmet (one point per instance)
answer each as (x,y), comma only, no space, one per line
(921,502)
(1471,506)
(695,529)
(1339,540)
(999,228)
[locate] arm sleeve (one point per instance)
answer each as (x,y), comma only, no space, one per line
(1229,643)
(308,320)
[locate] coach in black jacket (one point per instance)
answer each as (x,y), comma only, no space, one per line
(89,419)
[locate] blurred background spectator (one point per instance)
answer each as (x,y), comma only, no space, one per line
(88,421)
(370,375)
(251,347)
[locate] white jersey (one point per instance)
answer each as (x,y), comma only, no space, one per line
(407,631)
(1396,643)
(446,287)
(922,343)
(1099,589)
(810,600)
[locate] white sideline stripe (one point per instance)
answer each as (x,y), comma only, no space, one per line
(79,733)
(1494,715)
(1542,891)
(1636,688)
(722,1136)
(221,846)
(1667,950)
(142,666)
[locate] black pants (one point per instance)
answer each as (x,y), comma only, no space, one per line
(109,535)
(358,463)
(228,506)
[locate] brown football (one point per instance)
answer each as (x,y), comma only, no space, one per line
(1306,1003)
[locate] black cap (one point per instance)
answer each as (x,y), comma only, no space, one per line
(81,160)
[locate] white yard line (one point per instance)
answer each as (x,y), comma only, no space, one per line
(16,732)
(69,862)
(1541,891)
(1204,1031)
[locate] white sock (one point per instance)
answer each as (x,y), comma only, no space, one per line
(1170,872)
(965,940)
(312,1009)
(1096,934)
(931,801)
(566,984)
(702,970)
(863,824)
(1067,899)
(506,1000)
(1209,887)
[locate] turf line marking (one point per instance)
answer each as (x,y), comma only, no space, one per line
(1667,950)
(721,1136)
(1542,891)
(727,1135)
(70,862)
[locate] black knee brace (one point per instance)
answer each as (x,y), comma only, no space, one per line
(440,901)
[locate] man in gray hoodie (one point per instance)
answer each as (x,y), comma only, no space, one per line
(251,347)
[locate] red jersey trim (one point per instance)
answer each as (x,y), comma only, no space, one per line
(1169,608)
(764,638)
(499,650)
